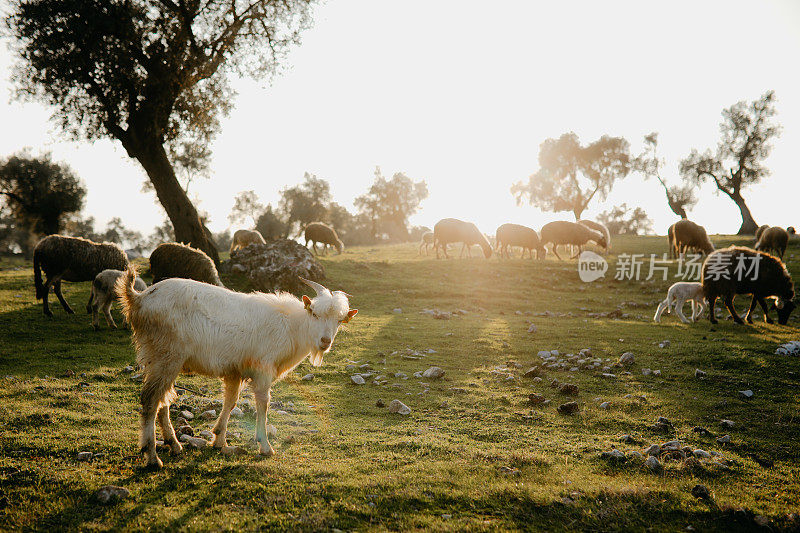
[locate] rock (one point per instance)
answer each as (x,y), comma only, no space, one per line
(185,430)
(626,358)
(532,372)
(194,442)
(790,348)
(701,430)
(656,372)
(724,439)
(508,471)
(701,454)
(206,434)
(699,374)
(111,493)
(653,449)
(646,371)
(85,456)
(633,454)
(569,389)
(535,399)
(615,456)
(608,375)
(307,377)
(761,520)
(211,414)
(380,403)
(433,372)
(701,492)
(537,379)
(272,431)
(543,354)
(626,438)
(726,423)
(568,408)
(276,265)
(233,450)
(671,446)
(605,405)
(653,464)
(663,344)
(396,406)
(746,394)
(237,413)
(357,379)
(187,414)
(128,370)
(397,311)
(532,328)
(555,383)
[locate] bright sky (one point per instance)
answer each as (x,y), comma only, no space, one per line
(461,94)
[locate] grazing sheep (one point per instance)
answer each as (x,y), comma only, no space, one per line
(689,235)
(791,231)
(739,270)
(679,293)
(564,232)
(761,229)
(244,237)
(591,224)
(773,239)
(509,235)
(450,230)
(320,232)
(182,325)
(426,241)
(71,259)
(176,260)
(673,248)
(103,295)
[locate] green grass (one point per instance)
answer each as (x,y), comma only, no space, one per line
(345,463)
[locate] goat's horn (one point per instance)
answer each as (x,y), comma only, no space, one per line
(319,289)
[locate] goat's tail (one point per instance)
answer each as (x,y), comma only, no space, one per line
(126,293)
(37,276)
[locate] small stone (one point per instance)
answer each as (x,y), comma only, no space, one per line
(535,399)
(187,414)
(211,414)
(701,454)
(568,408)
(537,379)
(701,492)
(307,377)
(701,430)
(433,372)
(237,413)
(746,394)
(194,442)
(608,375)
(532,372)
(761,520)
(569,389)
(724,439)
(396,406)
(397,311)
(532,328)
(699,374)
(446,516)
(626,358)
(626,438)
(605,405)
(656,372)
(555,383)
(128,370)
(206,434)
(634,454)
(272,431)
(380,403)
(185,429)
(357,379)
(653,449)
(85,456)
(646,371)
(614,456)
(653,464)
(110,493)
(233,450)
(726,423)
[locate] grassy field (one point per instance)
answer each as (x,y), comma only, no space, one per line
(473,454)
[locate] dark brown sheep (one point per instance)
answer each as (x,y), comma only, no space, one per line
(774,239)
(322,233)
(509,235)
(245,237)
(564,232)
(689,235)
(739,270)
(71,259)
(591,224)
(673,249)
(176,260)
(450,230)
(761,229)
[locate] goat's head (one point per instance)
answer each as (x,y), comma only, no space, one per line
(328,311)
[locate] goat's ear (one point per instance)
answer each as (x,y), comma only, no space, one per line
(350,314)
(307,303)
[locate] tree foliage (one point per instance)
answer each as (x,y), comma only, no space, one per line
(150,73)
(620,220)
(390,202)
(746,132)
(305,203)
(39,192)
(272,225)
(246,205)
(679,197)
(571,175)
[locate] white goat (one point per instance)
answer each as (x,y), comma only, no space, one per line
(677,294)
(181,324)
(103,295)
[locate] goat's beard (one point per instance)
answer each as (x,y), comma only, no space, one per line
(316,357)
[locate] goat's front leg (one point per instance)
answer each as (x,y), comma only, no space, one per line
(233,385)
(107,313)
(765,307)
(732,309)
(261,391)
(748,317)
(64,304)
(679,310)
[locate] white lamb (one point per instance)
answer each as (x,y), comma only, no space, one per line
(184,325)
(103,295)
(677,295)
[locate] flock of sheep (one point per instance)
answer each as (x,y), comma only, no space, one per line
(188,321)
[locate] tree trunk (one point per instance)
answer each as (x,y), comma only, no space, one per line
(677,208)
(188,227)
(749,225)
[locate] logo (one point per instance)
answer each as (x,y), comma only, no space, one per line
(591,266)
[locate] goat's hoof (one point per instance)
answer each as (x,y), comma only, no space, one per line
(269,452)
(176,448)
(154,465)
(749,320)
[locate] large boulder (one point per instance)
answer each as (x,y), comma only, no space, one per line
(276,265)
